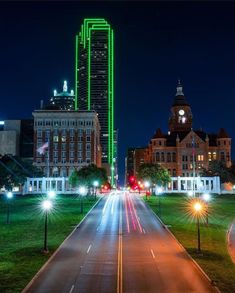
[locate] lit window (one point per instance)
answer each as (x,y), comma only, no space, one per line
(214,156)
(55,138)
(209,156)
(63,138)
(200,157)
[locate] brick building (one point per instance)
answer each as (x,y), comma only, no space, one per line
(181,146)
(73,139)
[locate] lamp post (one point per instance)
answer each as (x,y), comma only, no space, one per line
(159,192)
(197,206)
(51,194)
(95,184)
(206,197)
(9,197)
(46,206)
(82,191)
(147,185)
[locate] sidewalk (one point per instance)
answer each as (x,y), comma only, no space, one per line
(231,242)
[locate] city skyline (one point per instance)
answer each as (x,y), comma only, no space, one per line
(198,52)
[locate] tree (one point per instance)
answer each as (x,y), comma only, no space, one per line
(87,175)
(14,171)
(154,173)
(218,168)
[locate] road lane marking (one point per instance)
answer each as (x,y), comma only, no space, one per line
(153,255)
(88,248)
(144,231)
(71,290)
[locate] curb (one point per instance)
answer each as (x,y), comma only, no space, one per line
(56,251)
(229,242)
(190,257)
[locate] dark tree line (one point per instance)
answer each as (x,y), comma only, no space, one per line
(14,171)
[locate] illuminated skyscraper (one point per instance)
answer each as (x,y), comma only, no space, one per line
(94,80)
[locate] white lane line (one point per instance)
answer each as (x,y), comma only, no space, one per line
(153,255)
(88,248)
(71,290)
(144,231)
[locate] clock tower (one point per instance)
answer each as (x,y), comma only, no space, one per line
(181,115)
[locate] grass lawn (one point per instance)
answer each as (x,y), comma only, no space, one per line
(215,260)
(21,241)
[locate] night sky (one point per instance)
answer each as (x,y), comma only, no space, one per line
(155,44)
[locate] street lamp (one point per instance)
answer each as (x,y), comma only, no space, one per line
(159,192)
(9,197)
(82,191)
(46,206)
(146,185)
(207,197)
(95,184)
(190,193)
(51,194)
(198,210)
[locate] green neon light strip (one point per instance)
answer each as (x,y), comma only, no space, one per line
(89,74)
(76,73)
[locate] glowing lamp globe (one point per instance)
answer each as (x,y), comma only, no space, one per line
(51,194)
(46,205)
(206,197)
(9,194)
(197,207)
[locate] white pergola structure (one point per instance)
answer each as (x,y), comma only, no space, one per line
(194,184)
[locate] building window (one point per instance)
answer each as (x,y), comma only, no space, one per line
(88,146)
(39,133)
(71,146)
(71,161)
(80,138)
(174,172)
(224,142)
(88,138)
(55,154)
(55,146)
(63,146)
(63,154)
(88,132)
(214,156)
(162,157)
(71,132)
(209,156)
(63,138)
(200,157)
(88,154)
(174,157)
(79,146)
(222,156)
(157,157)
(55,138)
(55,161)
(228,157)
(160,143)
(168,157)
(71,154)
(88,161)
(79,154)
(63,160)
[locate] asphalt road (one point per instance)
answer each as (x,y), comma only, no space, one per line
(120,247)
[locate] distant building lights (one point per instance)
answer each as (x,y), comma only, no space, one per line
(2,122)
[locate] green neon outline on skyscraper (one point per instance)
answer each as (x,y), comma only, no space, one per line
(84,38)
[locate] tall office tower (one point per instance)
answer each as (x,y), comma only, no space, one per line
(94,81)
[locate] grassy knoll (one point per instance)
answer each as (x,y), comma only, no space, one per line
(215,259)
(22,240)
